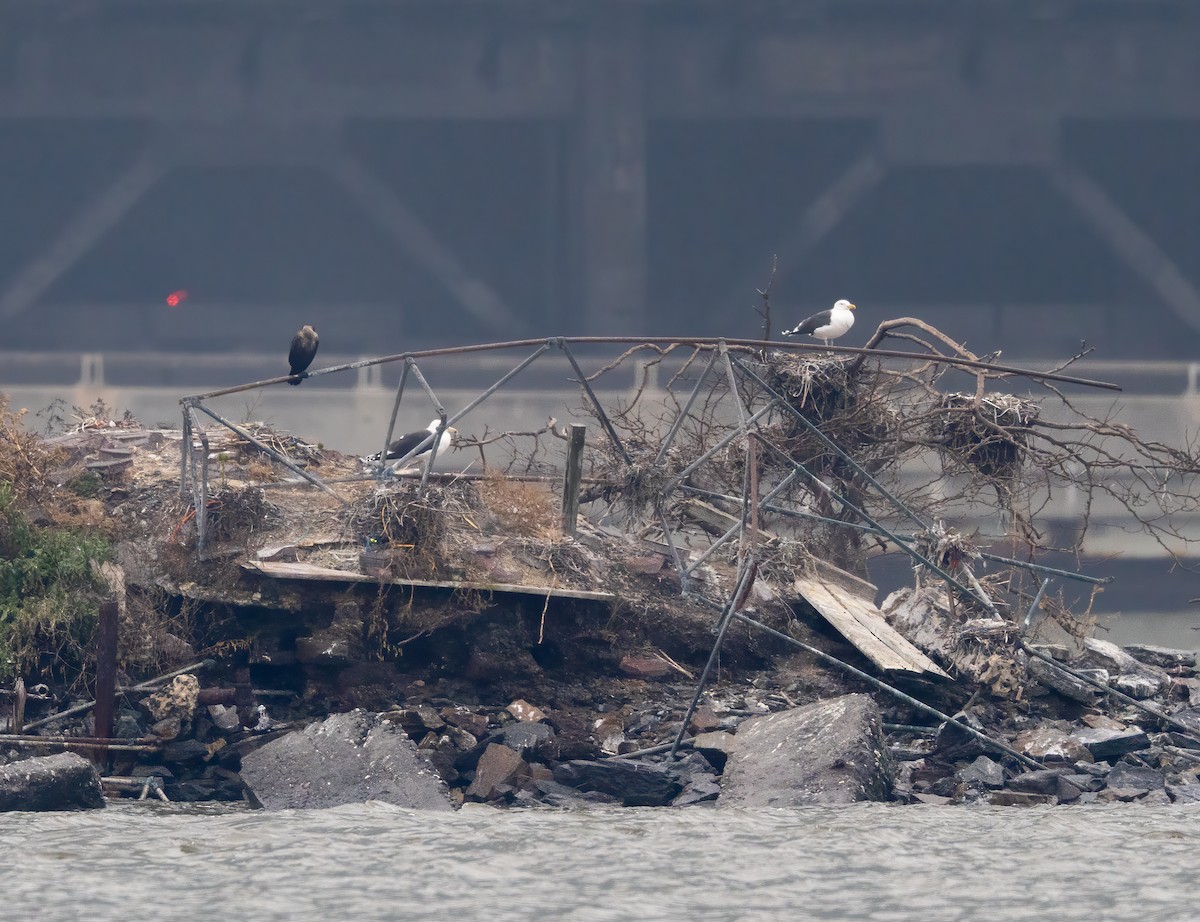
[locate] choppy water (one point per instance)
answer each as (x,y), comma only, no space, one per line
(159,862)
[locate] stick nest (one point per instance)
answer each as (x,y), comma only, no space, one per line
(988,437)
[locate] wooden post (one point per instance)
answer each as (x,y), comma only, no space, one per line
(570,503)
(106,672)
(17,722)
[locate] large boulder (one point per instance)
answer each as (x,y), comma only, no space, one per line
(66,781)
(347,759)
(828,752)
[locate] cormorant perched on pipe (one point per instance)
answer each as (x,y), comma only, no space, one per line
(303,351)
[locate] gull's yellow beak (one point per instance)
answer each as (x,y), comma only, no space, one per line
(853,307)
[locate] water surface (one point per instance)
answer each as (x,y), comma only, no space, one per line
(164,862)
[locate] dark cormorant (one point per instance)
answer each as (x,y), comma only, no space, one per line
(303,351)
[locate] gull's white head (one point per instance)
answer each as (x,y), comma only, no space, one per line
(844,305)
(450,433)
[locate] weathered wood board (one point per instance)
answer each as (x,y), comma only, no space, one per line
(847,603)
(282,570)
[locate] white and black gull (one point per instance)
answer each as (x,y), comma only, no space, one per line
(406,443)
(827,325)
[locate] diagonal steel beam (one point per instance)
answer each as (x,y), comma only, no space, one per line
(391,213)
(82,232)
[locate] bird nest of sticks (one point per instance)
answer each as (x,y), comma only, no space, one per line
(633,488)
(989,437)
(820,387)
(415,523)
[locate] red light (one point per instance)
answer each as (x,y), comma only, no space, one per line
(175,298)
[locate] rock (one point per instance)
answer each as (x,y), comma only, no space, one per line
(1163,657)
(1051,744)
(609,733)
(1138,685)
(1018,799)
(66,781)
(1136,778)
(831,751)
(166,729)
(185,751)
(954,743)
(1061,681)
(1109,745)
(702,790)
(560,795)
(1135,678)
(704,720)
(1184,793)
(465,719)
(523,735)
(225,717)
(523,710)
(715,747)
(1102,722)
(645,667)
(637,784)
(176,700)
(497,771)
(348,758)
(1045,781)
(983,772)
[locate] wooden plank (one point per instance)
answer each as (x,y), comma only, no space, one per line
(838,598)
(304,571)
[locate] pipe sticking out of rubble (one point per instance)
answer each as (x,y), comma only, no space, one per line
(1170,721)
(894,692)
(148,685)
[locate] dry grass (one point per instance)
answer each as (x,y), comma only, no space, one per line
(520,508)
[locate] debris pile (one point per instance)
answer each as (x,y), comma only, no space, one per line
(711,607)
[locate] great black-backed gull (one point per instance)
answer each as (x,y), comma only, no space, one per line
(303,351)
(406,443)
(827,325)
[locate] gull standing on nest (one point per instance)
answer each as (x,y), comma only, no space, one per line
(827,325)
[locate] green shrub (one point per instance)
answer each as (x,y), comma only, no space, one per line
(50,593)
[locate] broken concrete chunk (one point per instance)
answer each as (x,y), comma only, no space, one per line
(645,667)
(1110,745)
(1019,799)
(983,772)
(1062,681)
(346,759)
(523,710)
(830,751)
(636,784)
(1163,657)
(1139,778)
(609,733)
(497,773)
(65,781)
(176,700)
(1051,744)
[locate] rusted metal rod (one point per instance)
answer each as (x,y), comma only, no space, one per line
(263,446)
(148,685)
(894,692)
(106,668)
(699,342)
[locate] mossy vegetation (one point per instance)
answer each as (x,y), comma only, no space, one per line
(50,583)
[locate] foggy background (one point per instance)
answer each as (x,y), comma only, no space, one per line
(414,174)
(184,183)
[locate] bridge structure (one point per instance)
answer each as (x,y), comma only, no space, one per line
(418,173)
